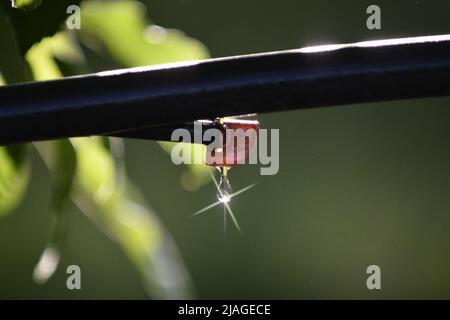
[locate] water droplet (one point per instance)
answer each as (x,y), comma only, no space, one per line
(224,191)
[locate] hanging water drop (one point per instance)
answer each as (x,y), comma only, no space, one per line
(224,190)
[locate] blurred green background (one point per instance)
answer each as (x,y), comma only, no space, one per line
(358,185)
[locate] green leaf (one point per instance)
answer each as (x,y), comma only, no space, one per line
(123,29)
(46,56)
(63,172)
(26,4)
(14,176)
(116,206)
(60,158)
(41,60)
(95,168)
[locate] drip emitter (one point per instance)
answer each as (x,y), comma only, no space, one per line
(239,139)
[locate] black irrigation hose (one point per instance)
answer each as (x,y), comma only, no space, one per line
(122,103)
